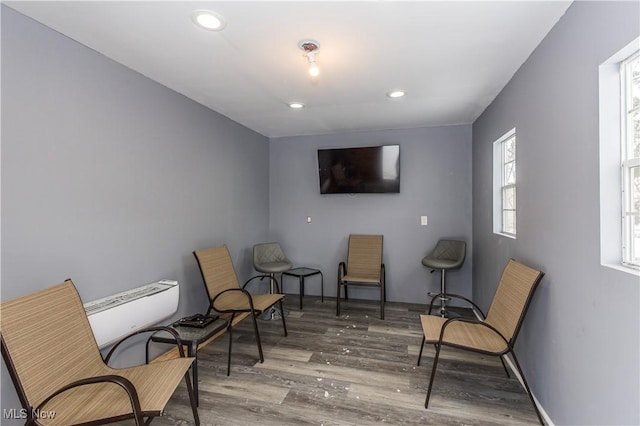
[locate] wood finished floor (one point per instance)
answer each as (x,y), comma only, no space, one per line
(350,370)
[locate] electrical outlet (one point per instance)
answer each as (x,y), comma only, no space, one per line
(423,221)
(308,219)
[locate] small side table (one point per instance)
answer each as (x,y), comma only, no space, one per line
(191,337)
(302,273)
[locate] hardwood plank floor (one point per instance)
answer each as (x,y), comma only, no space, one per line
(350,370)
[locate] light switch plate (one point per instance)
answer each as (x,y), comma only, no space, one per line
(423,221)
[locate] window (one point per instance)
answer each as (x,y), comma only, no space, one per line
(504,185)
(630,153)
(619,127)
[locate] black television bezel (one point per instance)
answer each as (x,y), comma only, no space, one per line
(370,188)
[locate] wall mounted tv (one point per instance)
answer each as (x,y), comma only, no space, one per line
(370,169)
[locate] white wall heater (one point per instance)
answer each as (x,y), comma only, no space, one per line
(113,317)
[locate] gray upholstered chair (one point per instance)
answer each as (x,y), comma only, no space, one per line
(446,256)
(269,259)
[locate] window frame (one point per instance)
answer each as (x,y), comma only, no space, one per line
(500,186)
(630,249)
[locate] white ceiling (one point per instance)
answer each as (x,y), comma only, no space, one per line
(451,57)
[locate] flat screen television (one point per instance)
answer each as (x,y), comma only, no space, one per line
(369,169)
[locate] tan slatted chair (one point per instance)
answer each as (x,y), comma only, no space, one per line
(494,335)
(364,267)
(59,374)
(226,295)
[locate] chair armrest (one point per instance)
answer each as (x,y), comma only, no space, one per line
(471,321)
(242,290)
(169,330)
(342,270)
(455,296)
(262,277)
(123,382)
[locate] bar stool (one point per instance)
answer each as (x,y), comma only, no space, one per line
(269,259)
(446,256)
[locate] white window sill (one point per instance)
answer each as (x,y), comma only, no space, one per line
(623,268)
(513,237)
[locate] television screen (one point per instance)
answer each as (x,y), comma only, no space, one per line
(371,169)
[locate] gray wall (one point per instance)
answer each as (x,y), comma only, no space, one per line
(112,179)
(579,344)
(435,169)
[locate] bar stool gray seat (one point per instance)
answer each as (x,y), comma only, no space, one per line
(269,259)
(447,255)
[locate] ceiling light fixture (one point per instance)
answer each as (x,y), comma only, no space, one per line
(310,47)
(208,20)
(296,105)
(396,93)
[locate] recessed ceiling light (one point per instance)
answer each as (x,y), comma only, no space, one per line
(396,93)
(208,20)
(296,105)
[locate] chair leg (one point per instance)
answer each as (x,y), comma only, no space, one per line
(255,327)
(526,386)
(433,374)
(338,300)
(424,339)
(284,324)
(506,370)
(229,331)
(382,300)
(443,291)
(192,398)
